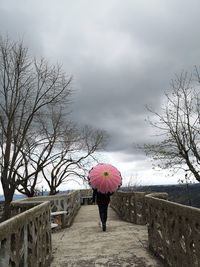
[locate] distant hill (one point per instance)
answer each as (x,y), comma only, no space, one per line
(45,193)
(177,193)
(16,196)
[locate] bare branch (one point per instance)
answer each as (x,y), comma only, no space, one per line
(179,126)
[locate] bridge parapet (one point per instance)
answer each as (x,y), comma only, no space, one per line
(86,196)
(62,202)
(25,239)
(173,231)
(86,192)
(130,206)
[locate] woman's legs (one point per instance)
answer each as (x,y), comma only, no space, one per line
(103,211)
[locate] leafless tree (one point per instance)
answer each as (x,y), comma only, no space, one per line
(59,152)
(27,87)
(187,181)
(39,150)
(178,124)
(76,156)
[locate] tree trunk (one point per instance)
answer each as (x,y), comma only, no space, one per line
(6,210)
(53,191)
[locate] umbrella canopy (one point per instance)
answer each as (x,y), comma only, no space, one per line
(105,178)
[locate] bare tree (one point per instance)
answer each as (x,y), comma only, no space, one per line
(187,181)
(59,152)
(77,154)
(40,150)
(27,86)
(178,124)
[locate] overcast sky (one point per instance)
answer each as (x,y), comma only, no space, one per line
(122,55)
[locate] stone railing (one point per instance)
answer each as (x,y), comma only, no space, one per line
(70,203)
(86,196)
(174,232)
(25,239)
(86,192)
(130,206)
(173,229)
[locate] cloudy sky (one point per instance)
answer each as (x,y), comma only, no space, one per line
(122,55)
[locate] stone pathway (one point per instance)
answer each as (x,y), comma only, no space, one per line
(85,245)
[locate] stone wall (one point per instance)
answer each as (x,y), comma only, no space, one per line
(86,192)
(25,239)
(62,202)
(173,229)
(174,232)
(130,206)
(86,196)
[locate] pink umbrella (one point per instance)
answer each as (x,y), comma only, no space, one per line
(105,178)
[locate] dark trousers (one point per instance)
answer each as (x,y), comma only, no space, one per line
(103,211)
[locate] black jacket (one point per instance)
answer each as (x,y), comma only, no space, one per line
(100,198)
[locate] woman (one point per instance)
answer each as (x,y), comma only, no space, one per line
(102,201)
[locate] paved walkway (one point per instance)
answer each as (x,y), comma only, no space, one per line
(85,245)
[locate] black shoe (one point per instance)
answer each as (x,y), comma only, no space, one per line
(104,227)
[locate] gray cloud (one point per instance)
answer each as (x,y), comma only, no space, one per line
(122,55)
